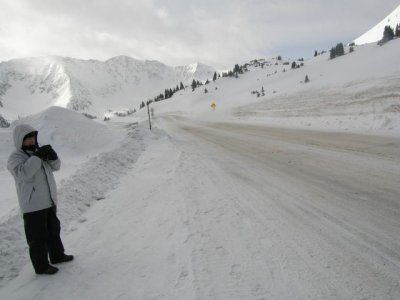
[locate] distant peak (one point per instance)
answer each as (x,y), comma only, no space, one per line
(121,58)
(196,66)
(199,65)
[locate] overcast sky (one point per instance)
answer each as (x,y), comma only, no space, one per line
(178,32)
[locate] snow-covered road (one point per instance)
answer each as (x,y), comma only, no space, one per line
(296,214)
(236,211)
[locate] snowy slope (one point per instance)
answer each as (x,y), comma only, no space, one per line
(30,85)
(356,92)
(376,33)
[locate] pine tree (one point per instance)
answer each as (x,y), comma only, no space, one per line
(181,86)
(397,33)
(306,79)
(388,35)
(205,91)
(315,53)
(332,53)
(194,85)
(294,65)
(236,69)
(215,76)
(339,49)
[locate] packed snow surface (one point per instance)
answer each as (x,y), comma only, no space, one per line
(291,195)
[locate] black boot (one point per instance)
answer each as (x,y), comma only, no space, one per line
(64,258)
(50,270)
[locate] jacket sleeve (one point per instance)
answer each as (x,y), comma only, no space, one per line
(55,164)
(22,168)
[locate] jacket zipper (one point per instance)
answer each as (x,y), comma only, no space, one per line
(30,196)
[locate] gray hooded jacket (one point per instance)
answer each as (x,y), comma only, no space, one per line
(34,179)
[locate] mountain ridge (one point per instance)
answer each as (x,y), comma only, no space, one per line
(89,86)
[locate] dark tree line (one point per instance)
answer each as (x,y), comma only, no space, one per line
(168,93)
(232,73)
(316,53)
(388,34)
(195,84)
(235,71)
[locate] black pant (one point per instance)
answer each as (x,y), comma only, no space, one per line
(42,230)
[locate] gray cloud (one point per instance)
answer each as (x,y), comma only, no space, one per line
(179,32)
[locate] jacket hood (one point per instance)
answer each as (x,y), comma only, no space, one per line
(20,131)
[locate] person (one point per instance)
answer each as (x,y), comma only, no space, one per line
(32,168)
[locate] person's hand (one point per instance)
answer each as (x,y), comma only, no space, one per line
(52,154)
(43,152)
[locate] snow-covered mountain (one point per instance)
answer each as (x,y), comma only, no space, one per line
(30,85)
(375,33)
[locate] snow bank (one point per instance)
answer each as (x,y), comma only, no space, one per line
(73,136)
(93,157)
(71,133)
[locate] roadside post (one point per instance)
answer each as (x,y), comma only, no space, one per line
(148,113)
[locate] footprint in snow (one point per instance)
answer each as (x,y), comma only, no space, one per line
(221,251)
